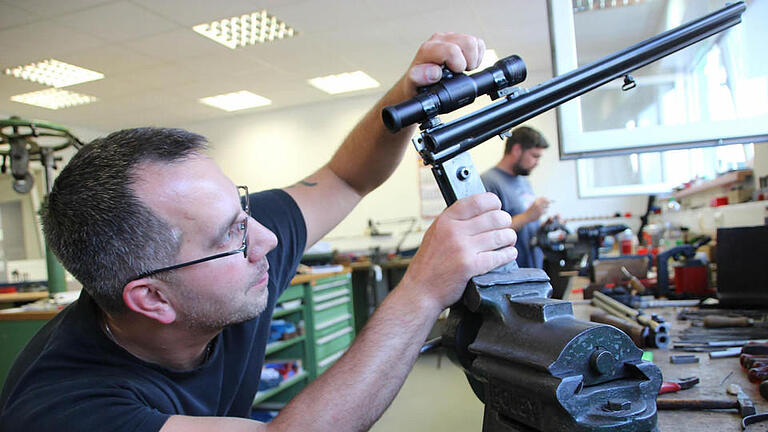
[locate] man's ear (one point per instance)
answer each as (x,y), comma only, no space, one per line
(517,151)
(147,296)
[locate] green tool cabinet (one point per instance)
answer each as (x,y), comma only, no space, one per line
(327,313)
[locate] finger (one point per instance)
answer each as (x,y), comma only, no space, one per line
(489,260)
(425,74)
(492,220)
(469,46)
(469,50)
(441,52)
(496,239)
(473,205)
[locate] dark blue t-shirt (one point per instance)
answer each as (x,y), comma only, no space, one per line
(72,377)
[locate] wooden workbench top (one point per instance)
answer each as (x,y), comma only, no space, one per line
(303,278)
(23,296)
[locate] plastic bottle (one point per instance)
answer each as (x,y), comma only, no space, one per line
(625,241)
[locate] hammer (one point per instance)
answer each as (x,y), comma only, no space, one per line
(742,403)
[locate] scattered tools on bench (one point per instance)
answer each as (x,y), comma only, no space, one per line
(656,332)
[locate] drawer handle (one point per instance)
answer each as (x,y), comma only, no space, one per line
(331,304)
(331,358)
(331,322)
(328,285)
(330,295)
(334,335)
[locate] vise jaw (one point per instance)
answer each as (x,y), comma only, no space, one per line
(537,368)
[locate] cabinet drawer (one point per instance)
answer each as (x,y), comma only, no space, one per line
(321,327)
(334,342)
(334,325)
(332,308)
(329,283)
(327,362)
(330,294)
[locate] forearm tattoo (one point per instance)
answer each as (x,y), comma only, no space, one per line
(304,183)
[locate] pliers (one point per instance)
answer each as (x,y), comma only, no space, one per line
(677,385)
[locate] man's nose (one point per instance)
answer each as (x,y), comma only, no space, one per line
(260,240)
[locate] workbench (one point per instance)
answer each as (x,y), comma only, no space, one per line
(714,375)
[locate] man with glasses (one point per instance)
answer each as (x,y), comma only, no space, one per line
(181,270)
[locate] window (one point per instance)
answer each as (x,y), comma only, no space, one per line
(713,92)
(658,172)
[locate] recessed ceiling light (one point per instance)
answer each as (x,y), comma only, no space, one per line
(344,82)
(236,101)
(54,98)
(248,29)
(54,73)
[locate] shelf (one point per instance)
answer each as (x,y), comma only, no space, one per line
(266,394)
(723,181)
(23,296)
(277,346)
(283,312)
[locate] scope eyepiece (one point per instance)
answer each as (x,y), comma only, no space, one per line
(454,92)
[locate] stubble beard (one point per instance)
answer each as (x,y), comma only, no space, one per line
(199,313)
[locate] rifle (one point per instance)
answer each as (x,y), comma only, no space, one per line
(533,365)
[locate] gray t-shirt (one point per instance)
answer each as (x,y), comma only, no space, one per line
(516,196)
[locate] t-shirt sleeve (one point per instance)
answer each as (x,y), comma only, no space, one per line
(279,213)
(492,185)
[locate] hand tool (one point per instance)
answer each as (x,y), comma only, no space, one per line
(746,406)
(757,374)
(755,348)
(742,403)
(730,352)
(658,332)
(683,358)
(752,419)
(747,360)
(677,385)
(634,282)
(763,388)
(725,321)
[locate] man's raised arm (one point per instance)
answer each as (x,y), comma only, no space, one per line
(370,153)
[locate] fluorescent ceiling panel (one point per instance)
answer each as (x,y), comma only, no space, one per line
(54,98)
(344,82)
(248,29)
(236,101)
(54,73)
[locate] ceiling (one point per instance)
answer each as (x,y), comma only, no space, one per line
(157,68)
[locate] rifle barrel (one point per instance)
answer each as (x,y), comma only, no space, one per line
(447,140)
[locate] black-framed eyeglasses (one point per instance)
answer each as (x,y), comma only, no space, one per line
(243,192)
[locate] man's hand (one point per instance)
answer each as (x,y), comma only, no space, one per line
(469,238)
(537,209)
(459,52)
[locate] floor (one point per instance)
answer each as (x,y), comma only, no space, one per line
(433,399)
